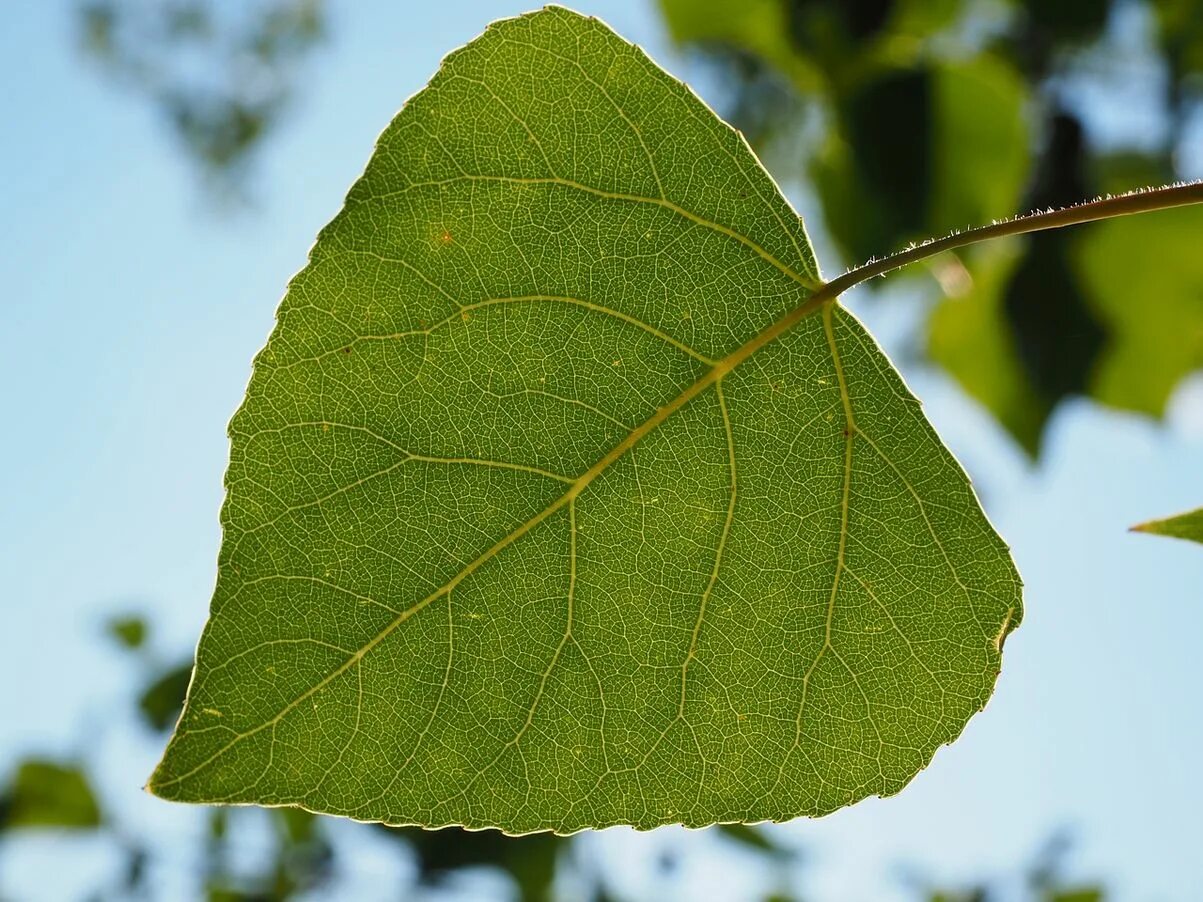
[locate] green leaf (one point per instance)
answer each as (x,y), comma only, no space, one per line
(1144,277)
(759,28)
(970,336)
(817,46)
(1139,278)
(161,699)
(1080,894)
(1184,526)
(128,630)
(755,839)
(556,502)
(529,860)
(45,793)
(913,147)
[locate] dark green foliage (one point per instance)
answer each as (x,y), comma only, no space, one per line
(51,794)
(902,159)
(891,136)
(161,700)
(127,630)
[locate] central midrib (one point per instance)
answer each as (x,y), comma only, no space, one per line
(816,301)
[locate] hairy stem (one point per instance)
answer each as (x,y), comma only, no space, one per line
(1143,201)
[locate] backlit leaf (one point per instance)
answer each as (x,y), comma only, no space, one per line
(1184,526)
(554,502)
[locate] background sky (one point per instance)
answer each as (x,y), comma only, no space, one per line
(131,309)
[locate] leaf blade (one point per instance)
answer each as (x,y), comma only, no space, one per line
(641,320)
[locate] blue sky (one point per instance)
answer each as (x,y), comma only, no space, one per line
(131,312)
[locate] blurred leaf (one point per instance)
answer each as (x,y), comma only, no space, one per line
(220,74)
(162,699)
(1183,526)
(884,157)
(1143,278)
(981,156)
(529,860)
(1080,894)
(1056,336)
(917,20)
(439,557)
(299,863)
(128,630)
(910,159)
(1065,21)
(760,28)
(969,336)
(754,838)
(304,857)
(819,46)
(1113,311)
(44,793)
(296,824)
(1044,37)
(1180,34)
(914,133)
(137,858)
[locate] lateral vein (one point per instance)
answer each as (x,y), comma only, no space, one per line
(805,280)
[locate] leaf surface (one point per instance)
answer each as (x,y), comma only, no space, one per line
(555,502)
